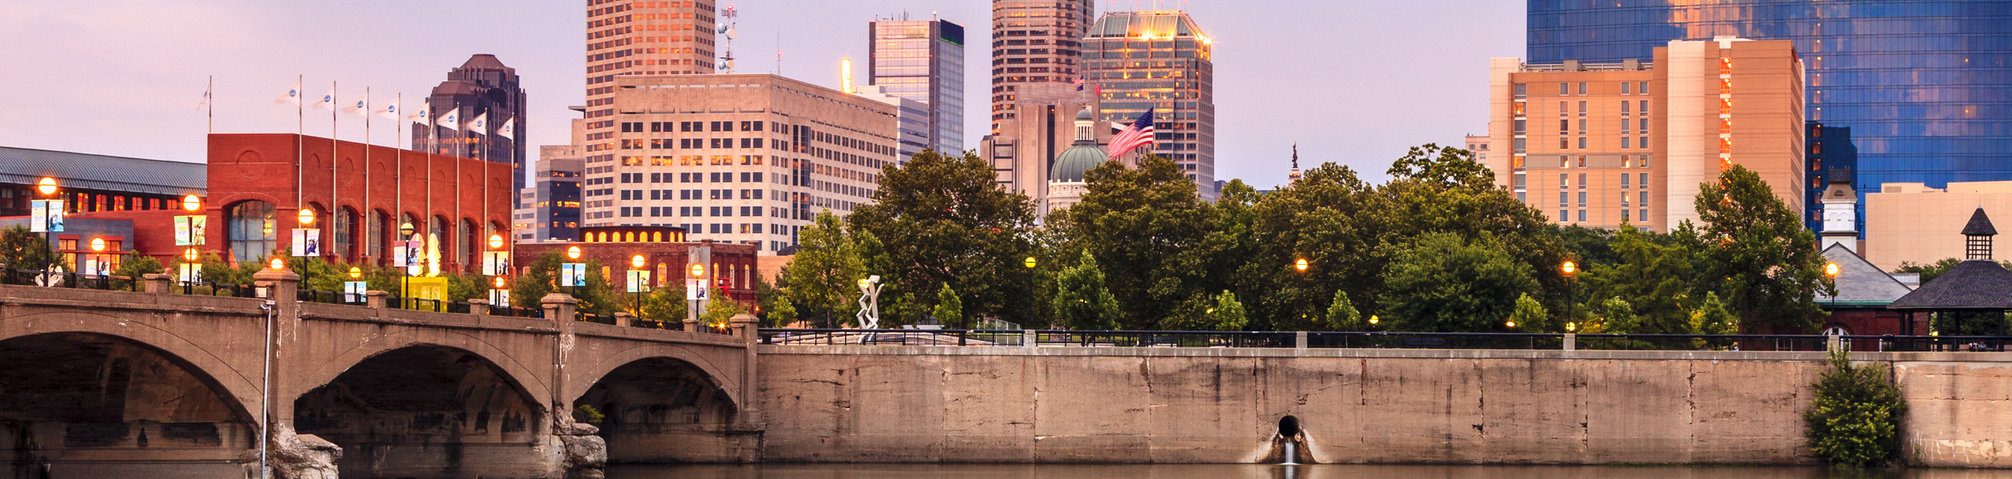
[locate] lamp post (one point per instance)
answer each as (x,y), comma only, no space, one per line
(1033,294)
(1570,270)
(310,239)
(52,209)
(1830,271)
(579,272)
(98,261)
(191,225)
(405,231)
(638,281)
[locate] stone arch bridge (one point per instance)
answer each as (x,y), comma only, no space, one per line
(97,383)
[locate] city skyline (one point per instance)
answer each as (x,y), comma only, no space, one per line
(148,91)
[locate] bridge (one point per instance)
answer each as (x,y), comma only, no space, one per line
(118,383)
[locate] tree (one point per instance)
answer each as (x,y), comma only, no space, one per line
(1854,420)
(1614,316)
(530,288)
(949,309)
(1711,317)
(1330,218)
(945,220)
(1342,316)
(1530,315)
(1761,259)
(666,305)
(1142,225)
(720,309)
(1081,301)
(1228,313)
(1444,283)
(21,249)
(1656,277)
(824,275)
(781,314)
(1928,272)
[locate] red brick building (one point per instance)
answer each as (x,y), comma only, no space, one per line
(664,251)
(360,194)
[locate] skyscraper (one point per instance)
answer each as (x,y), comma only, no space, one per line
(1921,84)
(636,38)
(1630,142)
(1035,41)
(740,158)
(1159,60)
(551,204)
(482,85)
(923,60)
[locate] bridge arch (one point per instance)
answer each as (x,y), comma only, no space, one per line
(427,409)
(721,376)
(222,374)
(660,404)
(519,373)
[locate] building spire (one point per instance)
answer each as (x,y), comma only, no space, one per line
(1293,177)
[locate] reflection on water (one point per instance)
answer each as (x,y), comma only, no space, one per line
(1316,471)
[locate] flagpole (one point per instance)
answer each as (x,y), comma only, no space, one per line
(366,170)
(212,103)
(334,119)
(299,140)
(398,190)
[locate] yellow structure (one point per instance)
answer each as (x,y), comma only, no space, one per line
(1911,222)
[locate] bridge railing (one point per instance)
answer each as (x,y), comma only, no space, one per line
(1374,340)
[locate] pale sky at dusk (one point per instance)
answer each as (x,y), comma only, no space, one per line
(1350,81)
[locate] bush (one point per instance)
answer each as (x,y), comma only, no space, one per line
(1855,419)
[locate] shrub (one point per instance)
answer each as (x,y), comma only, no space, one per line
(1854,421)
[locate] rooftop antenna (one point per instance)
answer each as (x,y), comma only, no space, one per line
(727,48)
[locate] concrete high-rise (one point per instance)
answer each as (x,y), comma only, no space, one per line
(740,158)
(1023,151)
(482,85)
(1632,141)
(1160,61)
(1034,42)
(550,208)
(636,38)
(923,60)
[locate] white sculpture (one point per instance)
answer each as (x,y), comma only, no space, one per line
(869,303)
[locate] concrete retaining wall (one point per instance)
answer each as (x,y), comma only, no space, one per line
(948,404)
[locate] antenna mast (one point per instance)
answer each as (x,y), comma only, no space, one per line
(727,28)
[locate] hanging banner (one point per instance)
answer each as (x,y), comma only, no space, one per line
(307,242)
(499,298)
(639,281)
(189,230)
(353,291)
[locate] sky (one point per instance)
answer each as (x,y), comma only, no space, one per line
(1353,82)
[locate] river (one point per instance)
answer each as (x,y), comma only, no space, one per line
(1254,471)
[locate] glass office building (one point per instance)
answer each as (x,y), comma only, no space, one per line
(923,60)
(1924,86)
(1162,61)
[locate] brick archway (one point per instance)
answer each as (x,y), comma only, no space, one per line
(239,385)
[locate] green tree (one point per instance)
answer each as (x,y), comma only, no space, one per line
(1342,316)
(1854,420)
(528,290)
(1761,259)
(463,287)
(21,249)
(781,314)
(720,309)
(1228,313)
(1711,317)
(1081,300)
(1656,277)
(945,220)
(598,296)
(904,309)
(667,306)
(1144,226)
(824,275)
(1332,219)
(949,309)
(133,268)
(1929,271)
(1444,283)
(1530,315)
(1614,316)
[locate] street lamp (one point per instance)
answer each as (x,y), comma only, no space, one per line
(98,259)
(1830,271)
(306,216)
(191,203)
(405,231)
(1030,262)
(573,252)
(277,263)
(579,270)
(1300,265)
(637,282)
(495,241)
(1569,269)
(47,186)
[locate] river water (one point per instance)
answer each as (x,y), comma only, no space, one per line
(1254,471)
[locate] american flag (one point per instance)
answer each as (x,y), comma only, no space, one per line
(1137,134)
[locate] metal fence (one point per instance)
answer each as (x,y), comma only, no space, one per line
(1375,340)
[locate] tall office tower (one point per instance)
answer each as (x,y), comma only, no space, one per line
(551,205)
(1831,159)
(923,60)
(742,158)
(1160,61)
(1631,141)
(636,38)
(912,132)
(1920,83)
(482,85)
(1034,42)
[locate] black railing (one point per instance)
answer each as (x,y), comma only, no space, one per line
(596,318)
(1377,340)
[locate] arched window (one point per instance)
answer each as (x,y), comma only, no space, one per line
(343,239)
(250,231)
(374,235)
(436,232)
(471,241)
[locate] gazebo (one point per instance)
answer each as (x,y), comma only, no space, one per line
(1968,300)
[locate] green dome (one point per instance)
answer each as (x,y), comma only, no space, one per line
(1073,162)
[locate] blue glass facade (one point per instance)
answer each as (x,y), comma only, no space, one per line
(1924,86)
